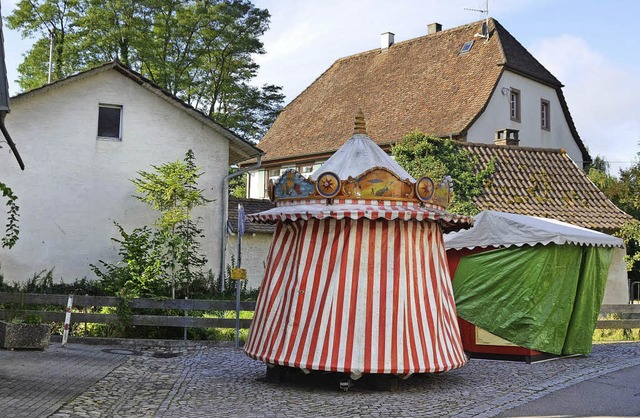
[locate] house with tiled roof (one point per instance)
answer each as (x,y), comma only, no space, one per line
(476,84)
(450,83)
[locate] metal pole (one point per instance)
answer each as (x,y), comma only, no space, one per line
(224,209)
(240,230)
(50,56)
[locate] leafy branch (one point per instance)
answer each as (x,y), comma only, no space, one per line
(12,231)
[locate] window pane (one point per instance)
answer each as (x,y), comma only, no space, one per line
(514,105)
(544,114)
(109,122)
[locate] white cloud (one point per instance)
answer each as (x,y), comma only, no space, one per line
(601,94)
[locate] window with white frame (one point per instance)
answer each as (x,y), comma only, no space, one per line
(514,104)
(306,170)
(545,115)
(110,122)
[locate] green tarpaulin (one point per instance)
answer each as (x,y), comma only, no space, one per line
(545,298)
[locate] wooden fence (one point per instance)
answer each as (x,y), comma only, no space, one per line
(629,314)
(629,317)
(94,302)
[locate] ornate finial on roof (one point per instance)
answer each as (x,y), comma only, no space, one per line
(360,126)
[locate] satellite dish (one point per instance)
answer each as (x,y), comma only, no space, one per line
(485,30)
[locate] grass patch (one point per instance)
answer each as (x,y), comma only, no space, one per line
(221,334)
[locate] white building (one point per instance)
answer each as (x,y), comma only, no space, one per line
(82,139)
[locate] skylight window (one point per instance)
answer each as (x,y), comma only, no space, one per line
(466,47)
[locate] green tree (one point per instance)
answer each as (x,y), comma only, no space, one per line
(198,50)
(46,20)
(422,155)
(237,185)
(624,192)
(172,189)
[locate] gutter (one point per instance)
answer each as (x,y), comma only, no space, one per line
(225,209)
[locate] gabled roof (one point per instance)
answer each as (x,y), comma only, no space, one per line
(544,183)
(239,149)
(421,84)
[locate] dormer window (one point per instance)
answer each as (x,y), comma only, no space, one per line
(110,122)
(514,104)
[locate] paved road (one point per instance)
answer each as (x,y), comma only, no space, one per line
(194,380)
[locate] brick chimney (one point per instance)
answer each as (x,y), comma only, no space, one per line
(386,40)
(507,136)
(433,28)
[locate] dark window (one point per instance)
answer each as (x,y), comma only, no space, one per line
(514,105)
(109,121)
(545,115)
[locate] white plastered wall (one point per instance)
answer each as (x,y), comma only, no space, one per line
(74,186)
(255,250)
(617,289)
(496,116)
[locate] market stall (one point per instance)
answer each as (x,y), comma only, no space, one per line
(357,280)
(527,286)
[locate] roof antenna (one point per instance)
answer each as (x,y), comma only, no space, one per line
(485,25)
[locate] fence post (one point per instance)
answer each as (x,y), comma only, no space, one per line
(85,310)
(185,314)
(635,289)
(67,320)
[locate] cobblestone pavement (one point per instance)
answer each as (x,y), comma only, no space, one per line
(194,380)
(37,383)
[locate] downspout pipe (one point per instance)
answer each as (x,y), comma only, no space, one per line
(225,209)
(7,137)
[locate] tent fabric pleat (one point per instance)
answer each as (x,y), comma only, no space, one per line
(357,296)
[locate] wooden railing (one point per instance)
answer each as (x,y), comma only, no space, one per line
(95,302)
(629,314)
(629,317)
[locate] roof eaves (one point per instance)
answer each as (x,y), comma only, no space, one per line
(586,158)
(248,150)
(482,109)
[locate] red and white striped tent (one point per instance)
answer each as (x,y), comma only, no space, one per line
(357,278)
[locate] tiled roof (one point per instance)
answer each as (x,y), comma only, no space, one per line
(544,183)
(421,84)
(251,206)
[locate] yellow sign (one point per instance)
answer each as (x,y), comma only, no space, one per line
(238,274)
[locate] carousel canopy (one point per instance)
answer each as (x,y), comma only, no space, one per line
(361,181)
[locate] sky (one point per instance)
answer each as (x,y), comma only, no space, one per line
(587,44)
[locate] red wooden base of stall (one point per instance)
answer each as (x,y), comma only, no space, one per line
(468,331)
(474,349)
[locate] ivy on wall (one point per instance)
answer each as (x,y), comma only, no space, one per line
(422,154)
(11,229)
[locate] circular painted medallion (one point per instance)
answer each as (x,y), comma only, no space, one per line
(424,188)
(328,185)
